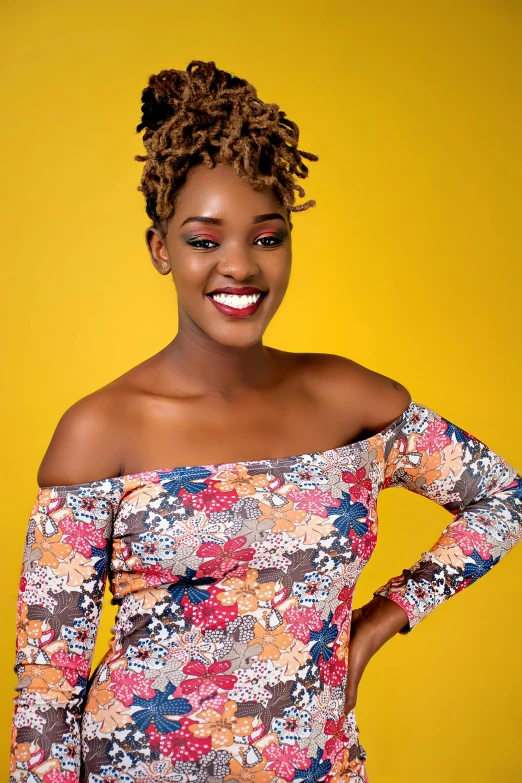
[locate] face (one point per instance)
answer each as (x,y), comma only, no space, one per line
(228,248)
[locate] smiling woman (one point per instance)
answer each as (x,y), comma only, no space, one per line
(236,652)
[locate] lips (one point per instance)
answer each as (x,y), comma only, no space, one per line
(237,302)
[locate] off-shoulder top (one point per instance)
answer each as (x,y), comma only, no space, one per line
(233,584)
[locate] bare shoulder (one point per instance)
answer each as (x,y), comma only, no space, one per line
(375,399)
(85,445)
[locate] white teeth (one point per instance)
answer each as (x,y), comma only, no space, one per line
(235,300)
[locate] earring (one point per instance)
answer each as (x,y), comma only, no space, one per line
(164,264)
(226,263)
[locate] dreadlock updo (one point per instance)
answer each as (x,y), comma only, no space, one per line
(206,115)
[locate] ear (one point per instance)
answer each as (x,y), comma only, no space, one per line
(157,247)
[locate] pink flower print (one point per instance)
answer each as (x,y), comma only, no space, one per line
(207,679)
(224,557)
(181,745)
(360,486)
(434,437)
(342,611)
(332,672)
(55,776)
(286,759)
(363,546)
(313,500)
(156,575)
(211,613)
(72,665)
(126,684)
(302,620)
(338,739)
(468,540)
(81,536)
(209,500)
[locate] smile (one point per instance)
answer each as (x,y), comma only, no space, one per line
(237,305)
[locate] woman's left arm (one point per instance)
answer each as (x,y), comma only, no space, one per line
(431,456)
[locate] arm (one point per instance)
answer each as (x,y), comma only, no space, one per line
(60,594)
(61,589)
(431,456)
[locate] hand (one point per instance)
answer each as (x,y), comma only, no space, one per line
(372,626)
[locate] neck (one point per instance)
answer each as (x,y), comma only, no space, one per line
(203,365)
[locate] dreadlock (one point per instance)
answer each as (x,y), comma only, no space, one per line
(206,115)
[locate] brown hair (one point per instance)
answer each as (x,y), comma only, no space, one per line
(206,115)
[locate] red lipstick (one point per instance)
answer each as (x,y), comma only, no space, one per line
(235,312)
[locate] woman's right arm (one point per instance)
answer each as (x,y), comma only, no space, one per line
(61,588)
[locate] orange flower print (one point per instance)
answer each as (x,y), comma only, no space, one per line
(344,769)
(221,727)
(41,677)
(240,481)
(112,717)
(20,751)
(272,641)
(285,517)
(26,629)
(51,547)
(125,582)
(255,774)
(428,469)
(246,593)
(452,460)
(99,696)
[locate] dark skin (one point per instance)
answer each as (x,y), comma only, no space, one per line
(215,393)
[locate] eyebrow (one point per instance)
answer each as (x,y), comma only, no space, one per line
(220,221)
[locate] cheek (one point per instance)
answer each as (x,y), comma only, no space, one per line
(190,277)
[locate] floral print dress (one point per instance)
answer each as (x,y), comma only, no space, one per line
(234,586)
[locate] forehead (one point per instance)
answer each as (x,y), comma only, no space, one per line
(221,192)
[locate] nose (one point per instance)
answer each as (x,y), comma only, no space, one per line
(239,262)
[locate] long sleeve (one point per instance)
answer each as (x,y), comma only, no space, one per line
(62,583)
(431,456)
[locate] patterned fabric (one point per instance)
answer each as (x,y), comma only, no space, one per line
(234,587)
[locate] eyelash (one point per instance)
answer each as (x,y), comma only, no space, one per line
(192,242)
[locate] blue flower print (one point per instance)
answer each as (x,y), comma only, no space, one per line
(108,774)
(188,478)
(67,751)
(191,587)
(153,547)
(314,589)
(81,636)
(157,708)
(479,567)
(306,476)
(293,726)
(315,771)
(146,655)
(322,639)
(349,516)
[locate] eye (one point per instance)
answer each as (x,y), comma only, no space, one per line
(202,244)
(270,240)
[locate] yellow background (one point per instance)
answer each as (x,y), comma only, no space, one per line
(409,264)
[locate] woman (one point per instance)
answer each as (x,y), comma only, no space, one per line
(236,653)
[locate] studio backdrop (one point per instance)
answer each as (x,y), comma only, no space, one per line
(409,264)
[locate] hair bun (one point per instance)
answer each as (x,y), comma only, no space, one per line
(207,115)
